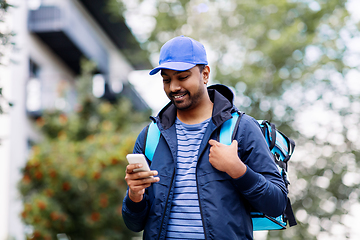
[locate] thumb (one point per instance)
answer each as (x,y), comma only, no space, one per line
(234,144)
(213,142)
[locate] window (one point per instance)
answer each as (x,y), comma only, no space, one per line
(33,89)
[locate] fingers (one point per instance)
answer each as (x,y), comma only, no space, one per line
(140,184)
(213,142)
(143,179)
(142,175)
(130,168)
(138,181)
(132,174)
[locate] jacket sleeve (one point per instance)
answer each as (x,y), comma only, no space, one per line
(135,214)
(262,184)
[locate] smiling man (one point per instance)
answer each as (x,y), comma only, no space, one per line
(187,91)
(202,189)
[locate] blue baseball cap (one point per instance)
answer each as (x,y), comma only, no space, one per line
(180,54)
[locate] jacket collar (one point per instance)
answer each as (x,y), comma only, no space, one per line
(220,95)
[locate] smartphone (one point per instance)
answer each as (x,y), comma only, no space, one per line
(138,158)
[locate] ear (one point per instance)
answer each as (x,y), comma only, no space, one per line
(206,74)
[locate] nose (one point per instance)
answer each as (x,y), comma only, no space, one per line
(174,86)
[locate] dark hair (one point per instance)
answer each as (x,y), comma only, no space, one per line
(201,67)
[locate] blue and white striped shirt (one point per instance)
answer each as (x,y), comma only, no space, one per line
(185,219)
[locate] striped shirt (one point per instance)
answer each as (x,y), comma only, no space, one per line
(185,219)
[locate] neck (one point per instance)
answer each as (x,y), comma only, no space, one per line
(198,114)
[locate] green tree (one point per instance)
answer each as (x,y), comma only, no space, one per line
(5,35)
(290,62)
(5,41)
(73,183)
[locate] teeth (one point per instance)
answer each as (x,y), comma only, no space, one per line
(179,96)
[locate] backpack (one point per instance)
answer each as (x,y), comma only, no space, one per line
(280,146)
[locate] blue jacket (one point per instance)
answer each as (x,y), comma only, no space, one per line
(225,203)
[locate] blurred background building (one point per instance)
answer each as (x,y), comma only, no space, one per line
(52,36)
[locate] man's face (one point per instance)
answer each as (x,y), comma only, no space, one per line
(185,89)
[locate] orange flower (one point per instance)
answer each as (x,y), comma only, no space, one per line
(90,138)
(52,173)
(36,235)
(63,119)
(38,175)
(114,161)
(40,122)
(41,205)
(103,165)
(23,214)
(95,216)
(26,179)
(66,186)
(54,216)
(97,175)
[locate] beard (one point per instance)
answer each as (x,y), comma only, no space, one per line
(190,101)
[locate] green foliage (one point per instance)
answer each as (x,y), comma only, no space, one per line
(90,118)
(5,38)
(4,5)
(2,99)
(5,35)
(77,187)
(261,44)
(73,182)
(285,59)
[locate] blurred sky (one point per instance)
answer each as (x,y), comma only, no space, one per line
(150,88)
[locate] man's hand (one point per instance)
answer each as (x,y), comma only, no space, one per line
(225,158)
(138,181)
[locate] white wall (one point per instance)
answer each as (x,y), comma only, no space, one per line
(17,145)
(4,154)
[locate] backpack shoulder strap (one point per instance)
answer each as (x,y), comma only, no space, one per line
(269,132)
(229,127)
(152,140)
(227,133)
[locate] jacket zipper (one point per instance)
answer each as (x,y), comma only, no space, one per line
(197,187)
(166,206)
(202,217)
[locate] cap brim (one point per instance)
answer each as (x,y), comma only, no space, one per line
(177,66)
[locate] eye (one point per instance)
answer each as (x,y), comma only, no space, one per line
(183,77)
(166,80)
